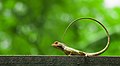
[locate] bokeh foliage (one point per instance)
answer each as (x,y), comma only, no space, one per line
(30,27)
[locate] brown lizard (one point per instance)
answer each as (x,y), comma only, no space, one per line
(70,51)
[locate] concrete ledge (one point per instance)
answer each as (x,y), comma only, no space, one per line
(59,61)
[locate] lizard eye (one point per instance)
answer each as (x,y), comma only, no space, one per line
(56,42)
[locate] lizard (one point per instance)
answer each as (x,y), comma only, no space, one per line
(71,51)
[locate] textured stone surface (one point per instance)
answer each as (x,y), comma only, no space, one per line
(59,61)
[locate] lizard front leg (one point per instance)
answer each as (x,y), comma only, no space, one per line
(68,53)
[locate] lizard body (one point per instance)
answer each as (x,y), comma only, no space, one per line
(70,51)
(67,50)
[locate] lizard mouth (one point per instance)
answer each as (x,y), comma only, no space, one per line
(53,45)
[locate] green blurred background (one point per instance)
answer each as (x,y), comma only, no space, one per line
(29,27)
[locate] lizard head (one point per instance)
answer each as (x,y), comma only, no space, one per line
(58,45)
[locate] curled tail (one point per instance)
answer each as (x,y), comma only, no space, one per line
(108,42)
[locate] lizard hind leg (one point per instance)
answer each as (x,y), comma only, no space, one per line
(82,54)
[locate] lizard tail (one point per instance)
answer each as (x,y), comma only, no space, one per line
(108,42)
